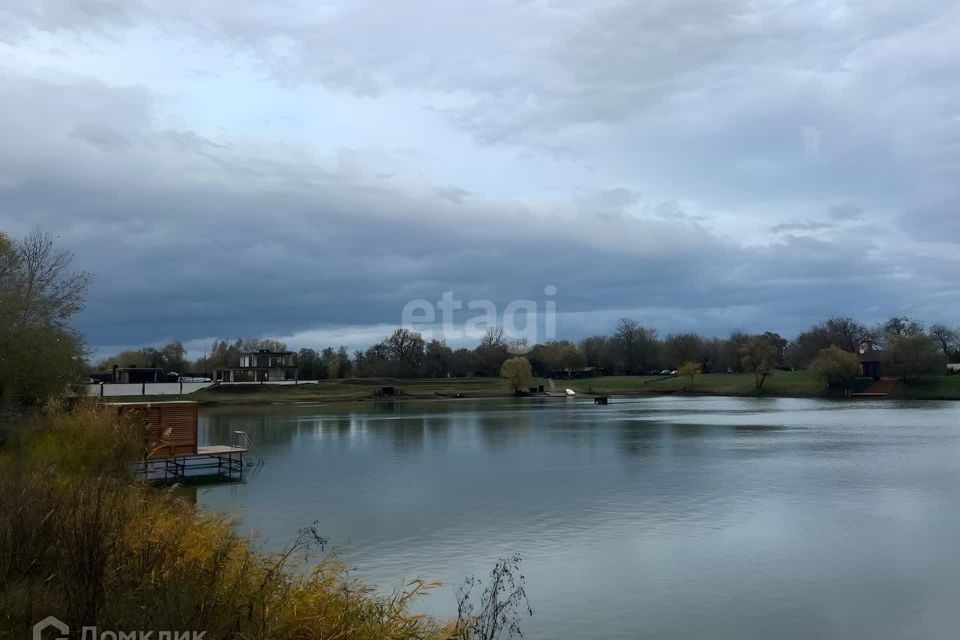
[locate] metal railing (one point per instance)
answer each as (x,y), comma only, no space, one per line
(242,440)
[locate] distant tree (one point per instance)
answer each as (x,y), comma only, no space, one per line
(900,326)
(599,351)
(491,352)
(690,369)
(732,350)
(637,346)
(405,350)
(462,362)
(836,367)
(559,355)
(346,366)
(758,356)
(437,359)
(331,362)
(312,366)
(518,373)
(683,348)
(842,332)
(261,344)
(174,357)
(947,339)
(914,354)
(494,337)
(124,359)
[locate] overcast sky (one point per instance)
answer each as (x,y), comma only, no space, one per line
(304,169)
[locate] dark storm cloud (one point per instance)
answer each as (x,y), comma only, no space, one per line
(742,164)
(195,240)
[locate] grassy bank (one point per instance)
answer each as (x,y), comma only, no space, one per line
(800,384)
(83,541)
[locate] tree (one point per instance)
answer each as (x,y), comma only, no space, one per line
(312,366)
(690,369)
(839,331)
(731,350)
(346,366)
(405,351)
(948,339)
(900,326)
(836,367)
(599,351)
(43,290)
(494,337)
(491,352)
(174,357)
(437,359)
(683,348)
(39,294)
(637,346)
(758,356)
(559,355)
(911,355)
(518,373)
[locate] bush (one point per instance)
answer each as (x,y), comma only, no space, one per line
(80,539)
(836,367)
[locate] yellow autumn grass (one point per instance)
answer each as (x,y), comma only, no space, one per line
(81,540)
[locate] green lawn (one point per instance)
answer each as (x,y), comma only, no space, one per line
(932,387)
(782,383)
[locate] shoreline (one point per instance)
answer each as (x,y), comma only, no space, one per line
(794,384)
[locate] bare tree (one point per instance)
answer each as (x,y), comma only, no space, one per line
(44,291)
(947,339)
(637,345)
(494,338)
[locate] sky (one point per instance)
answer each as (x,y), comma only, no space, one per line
(303,170)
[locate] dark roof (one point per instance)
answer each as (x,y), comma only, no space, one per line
(265,352)
(871,355)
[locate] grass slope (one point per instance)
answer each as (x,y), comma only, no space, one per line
(782,383)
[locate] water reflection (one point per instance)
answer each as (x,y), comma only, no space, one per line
(661,517)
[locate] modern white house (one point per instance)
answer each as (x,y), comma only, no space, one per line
(261,366)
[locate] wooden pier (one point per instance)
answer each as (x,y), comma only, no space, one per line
(226,460)
(170,450)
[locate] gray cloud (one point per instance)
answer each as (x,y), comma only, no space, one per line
(684,132)
(806,225)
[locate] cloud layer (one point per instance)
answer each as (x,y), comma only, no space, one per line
(305,172)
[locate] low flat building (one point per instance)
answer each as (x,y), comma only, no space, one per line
(262,366)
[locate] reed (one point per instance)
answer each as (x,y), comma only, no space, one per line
(82,540)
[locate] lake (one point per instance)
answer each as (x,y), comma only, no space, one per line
(656,517)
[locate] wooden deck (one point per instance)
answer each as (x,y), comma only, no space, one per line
(222,460)
(219,450)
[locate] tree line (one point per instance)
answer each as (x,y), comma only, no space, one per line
(905,345)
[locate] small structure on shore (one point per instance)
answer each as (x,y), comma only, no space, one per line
(387,392)
(870,361)
(170,442)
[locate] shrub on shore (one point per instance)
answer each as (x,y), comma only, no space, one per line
(81,540)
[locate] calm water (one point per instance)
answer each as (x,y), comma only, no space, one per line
(661,518)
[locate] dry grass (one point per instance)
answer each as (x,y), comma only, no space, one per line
(80,540)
